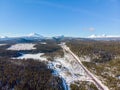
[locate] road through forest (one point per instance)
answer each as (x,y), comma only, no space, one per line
(95,80)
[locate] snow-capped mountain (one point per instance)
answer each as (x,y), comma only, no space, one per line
(58,37)
(35,35)
(105,37)
(2,37)
(98,36)
(31,36)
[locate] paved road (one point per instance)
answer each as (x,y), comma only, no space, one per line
(96,81)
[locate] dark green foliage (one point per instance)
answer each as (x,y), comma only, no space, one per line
(6,53)
(105,70)
(104,51)
(51,49)
(83,86)
(27,75)
(47,48)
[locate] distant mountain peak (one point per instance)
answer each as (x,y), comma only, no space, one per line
(58,37)
(31,36)
(2,37)
(34,35)
(103,36)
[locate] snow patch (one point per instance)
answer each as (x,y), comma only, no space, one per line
(34,35)
(85,59)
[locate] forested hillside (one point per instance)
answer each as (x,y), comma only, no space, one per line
(104,59)
(27,75)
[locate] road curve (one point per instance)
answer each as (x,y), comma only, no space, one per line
(96,81)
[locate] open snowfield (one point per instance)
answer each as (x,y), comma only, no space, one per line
(22,46)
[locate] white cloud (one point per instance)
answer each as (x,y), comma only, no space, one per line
(91,29)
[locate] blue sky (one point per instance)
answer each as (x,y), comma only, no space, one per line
(79,18)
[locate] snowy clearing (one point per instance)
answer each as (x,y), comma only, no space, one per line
(66,67)
(33,56)
(2,44)
(69,69)
(22,46)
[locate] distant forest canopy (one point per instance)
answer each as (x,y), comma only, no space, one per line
(104,50)
(105,59)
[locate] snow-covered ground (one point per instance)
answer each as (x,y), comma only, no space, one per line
(95,80)
(85,59)
(69,69)
(2,44)
(41,57)
(66,67)
(22,46)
